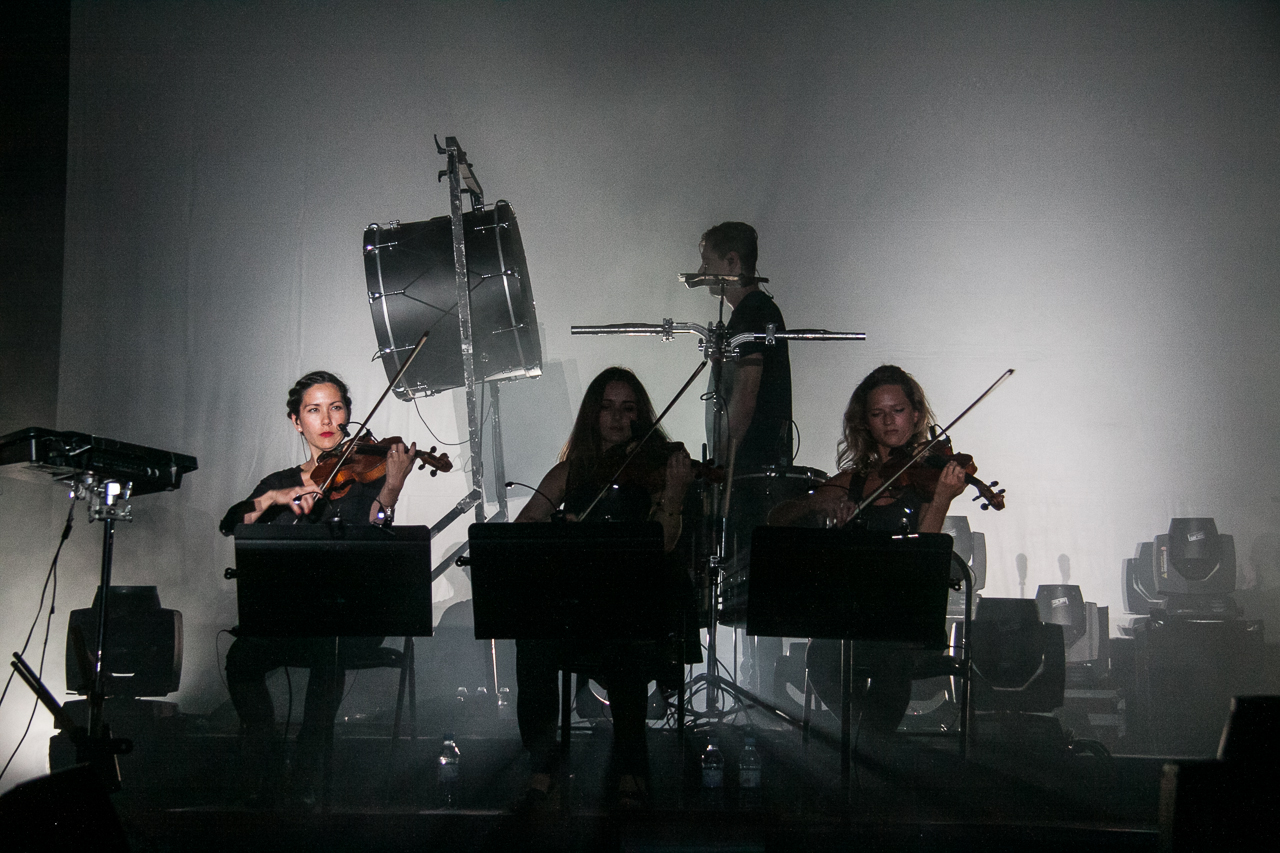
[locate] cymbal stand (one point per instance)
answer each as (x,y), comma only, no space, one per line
(716,346)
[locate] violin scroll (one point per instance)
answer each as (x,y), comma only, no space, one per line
(923,473)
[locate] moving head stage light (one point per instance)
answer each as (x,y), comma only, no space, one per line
(143,654)
(1189,570)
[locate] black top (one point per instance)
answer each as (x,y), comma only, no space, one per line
(625,501)
(768,439)
(901,516)
(352,507)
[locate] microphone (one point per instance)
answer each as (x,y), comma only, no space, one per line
(511,483)
(346,433)
(706,279)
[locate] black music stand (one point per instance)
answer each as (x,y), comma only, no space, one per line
(850,585)
(332,580)
(588,582)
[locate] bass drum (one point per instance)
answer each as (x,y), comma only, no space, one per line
(755,493)
(412,284)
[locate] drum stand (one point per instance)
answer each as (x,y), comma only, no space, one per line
(716,346)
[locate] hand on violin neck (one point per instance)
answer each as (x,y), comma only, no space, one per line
(951,483)
(679,475)
(400,460)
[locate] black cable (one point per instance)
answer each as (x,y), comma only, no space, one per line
(437,438)
(48,625)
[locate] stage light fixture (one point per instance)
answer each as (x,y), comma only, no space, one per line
(1140,596)
(1063,604)
(1019,662)
(143,654)
(1194,568)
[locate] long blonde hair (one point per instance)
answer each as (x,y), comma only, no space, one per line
(857,450)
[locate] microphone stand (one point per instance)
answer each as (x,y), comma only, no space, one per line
(716,346)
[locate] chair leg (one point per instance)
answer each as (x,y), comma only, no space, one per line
(808,702)
(411,653)
(404,675)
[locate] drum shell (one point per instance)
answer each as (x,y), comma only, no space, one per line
(758,491)
(412,285)
(755,493)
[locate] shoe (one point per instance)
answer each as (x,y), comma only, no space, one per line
(632,793)
(541,797)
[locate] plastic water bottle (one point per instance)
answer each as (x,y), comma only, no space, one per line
(749,766)
(713,773)
(449,771)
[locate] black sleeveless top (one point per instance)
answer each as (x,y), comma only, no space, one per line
(901,516)
(626,501)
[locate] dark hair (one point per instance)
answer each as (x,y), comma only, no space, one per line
(315,377)
(733,237)
(857,449)
(584,446)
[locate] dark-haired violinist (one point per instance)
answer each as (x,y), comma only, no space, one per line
(615,411)
(318,406)
(887,412)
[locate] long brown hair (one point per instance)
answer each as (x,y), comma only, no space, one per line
(857,450)
(585,447)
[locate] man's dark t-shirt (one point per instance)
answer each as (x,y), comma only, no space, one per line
(768,439)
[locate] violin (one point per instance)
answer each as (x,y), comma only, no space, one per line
(925,471)
(650,464)
(368,462)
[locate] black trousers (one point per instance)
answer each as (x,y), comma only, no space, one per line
(623,669)
(882,681)
(251,659)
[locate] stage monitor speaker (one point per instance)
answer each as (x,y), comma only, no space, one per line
(66,810)
(1232,803)
(1252,732)
(412,285)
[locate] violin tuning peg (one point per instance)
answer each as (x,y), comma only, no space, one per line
(986,507)
(995,483)
(1001,492)
(434,472)
(433,449)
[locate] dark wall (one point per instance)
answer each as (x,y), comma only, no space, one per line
(34,51)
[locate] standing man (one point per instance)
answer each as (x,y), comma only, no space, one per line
(752,396)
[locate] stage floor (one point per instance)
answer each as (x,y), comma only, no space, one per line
(184,791)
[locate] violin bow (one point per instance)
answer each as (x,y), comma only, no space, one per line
(657,421)
(929,445)
(364,426)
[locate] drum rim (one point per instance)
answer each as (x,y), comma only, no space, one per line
(781,472)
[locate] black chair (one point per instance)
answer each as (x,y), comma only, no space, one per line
(388,657)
